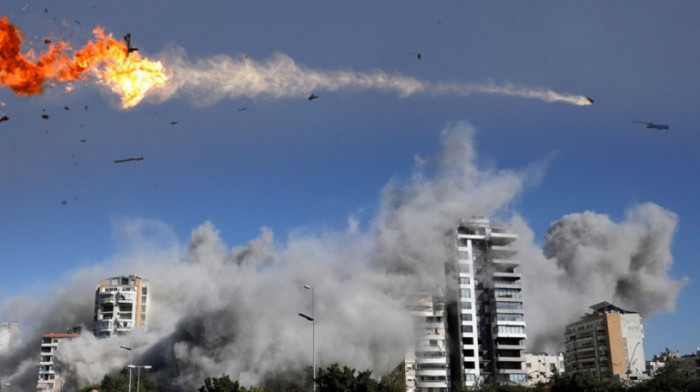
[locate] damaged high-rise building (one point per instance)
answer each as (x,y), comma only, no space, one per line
(486,323)
(121,303)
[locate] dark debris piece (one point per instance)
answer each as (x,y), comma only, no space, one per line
(4,118)
(45,116)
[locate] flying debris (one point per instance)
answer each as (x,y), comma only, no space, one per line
(132,159)
(650,125)
(242,109)
(173,122)
(83,140)
(66,108)
(47,41)
(590,101)
(418,56)
(4,118)
(312,97)
(45,116)
(129,48)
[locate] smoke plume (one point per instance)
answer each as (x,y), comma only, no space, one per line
(215,78)
(216,309)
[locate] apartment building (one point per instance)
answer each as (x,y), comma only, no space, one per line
(541,367)
(121,303)
(10,335)
(486,323)
(427,364)
(49,380)
(607,342)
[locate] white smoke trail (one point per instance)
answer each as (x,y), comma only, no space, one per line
(215,78)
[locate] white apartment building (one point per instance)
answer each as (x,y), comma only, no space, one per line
(607,343)
(10,335)
(49,380)
(542,367)
(121,303)
(427,364)
(486,324)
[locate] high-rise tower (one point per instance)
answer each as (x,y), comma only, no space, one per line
(120,305)
(486,324)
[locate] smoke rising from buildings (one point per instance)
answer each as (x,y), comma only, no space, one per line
(218,310)
(212,79)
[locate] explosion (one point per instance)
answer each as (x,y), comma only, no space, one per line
(108,60)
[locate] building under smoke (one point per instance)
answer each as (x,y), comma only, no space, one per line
(120,305)
(10,335)
(427,364)
(607,343)
(486,325)
(49,379)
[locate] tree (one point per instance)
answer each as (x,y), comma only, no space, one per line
(220,384)
(120,382)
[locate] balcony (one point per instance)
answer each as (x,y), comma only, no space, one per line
(103,326)
(505,263)
(501,346)
(503,251)
(126,297)
(501,358)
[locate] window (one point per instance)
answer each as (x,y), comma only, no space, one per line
(465,293)
(463,280)
(125,281)
(470,377)
(507,293)
(115,282)
(144,290)
(143,299)
(466,317)
(466,305)
(510,317)
(508,329)
(467,328)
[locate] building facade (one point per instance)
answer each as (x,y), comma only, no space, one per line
(10,335)
(49,380)
(542,367)
(486,323)
(427,363)
(121,303)
(608,343)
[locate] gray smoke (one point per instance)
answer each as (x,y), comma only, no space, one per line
(590,259)
(212,79)
(216,309)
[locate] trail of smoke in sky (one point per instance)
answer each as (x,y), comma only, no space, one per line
(217,310)
(218,77)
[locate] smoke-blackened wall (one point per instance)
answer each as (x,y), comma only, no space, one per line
(215,309)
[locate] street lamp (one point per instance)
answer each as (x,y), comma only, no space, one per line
(313,331)
(131,357)
(138,374)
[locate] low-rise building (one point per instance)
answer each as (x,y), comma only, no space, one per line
(608,343)
(49,380)
(542,367)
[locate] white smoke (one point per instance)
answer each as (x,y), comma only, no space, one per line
(212,79)
(219,310)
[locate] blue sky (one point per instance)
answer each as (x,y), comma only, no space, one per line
(290,163)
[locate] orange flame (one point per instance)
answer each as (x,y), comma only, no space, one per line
(108,60)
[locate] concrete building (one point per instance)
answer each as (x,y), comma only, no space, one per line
(542,367)
(10,335)
(49,380)
(607,343)
(687,364)
(486,324)
(427,364)
(121,303)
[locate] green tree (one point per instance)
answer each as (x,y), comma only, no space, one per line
(220,384)
(120,382)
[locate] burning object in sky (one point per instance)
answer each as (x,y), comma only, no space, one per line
(105,59)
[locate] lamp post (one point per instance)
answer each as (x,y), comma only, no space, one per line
(313,332)
(138,374)
(131,357)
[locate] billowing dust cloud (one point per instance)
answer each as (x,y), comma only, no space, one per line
(216,309)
